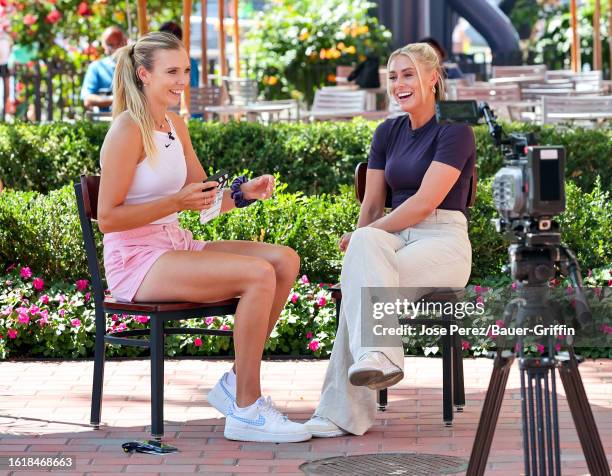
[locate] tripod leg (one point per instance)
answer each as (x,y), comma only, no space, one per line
(583,418)
(489,416)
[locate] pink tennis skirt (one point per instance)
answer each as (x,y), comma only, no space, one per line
(129,255)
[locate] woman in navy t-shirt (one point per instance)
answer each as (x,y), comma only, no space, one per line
(421,244)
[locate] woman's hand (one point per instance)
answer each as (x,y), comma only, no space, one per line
(344,241)
(196,196)
(260,188)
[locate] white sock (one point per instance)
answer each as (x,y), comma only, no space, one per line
(231,378)
(247,408)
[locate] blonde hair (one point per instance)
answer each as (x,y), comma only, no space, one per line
(128,93)
(422,55)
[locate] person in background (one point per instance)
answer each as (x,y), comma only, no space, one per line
(98,80)
(452,70)
(176,30)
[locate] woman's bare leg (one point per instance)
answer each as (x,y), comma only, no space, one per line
(284,260)
(208,276)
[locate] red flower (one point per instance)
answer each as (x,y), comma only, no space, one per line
(53,16)
(197,342)
(84,10)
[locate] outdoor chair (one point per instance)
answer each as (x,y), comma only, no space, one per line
(504,99)
(589,110)
(200,98)
(452,362)
(338,103)
(514,71)
(241,91)
(159,314)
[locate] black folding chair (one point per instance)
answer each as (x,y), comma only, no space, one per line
(159,314)
(452,363)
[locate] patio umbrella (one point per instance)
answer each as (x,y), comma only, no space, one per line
(141,12)
(597,65)
(575,53)
(187,42)
(222,62)
(203,28)
(236,37)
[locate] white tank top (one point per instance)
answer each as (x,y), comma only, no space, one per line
(163,176)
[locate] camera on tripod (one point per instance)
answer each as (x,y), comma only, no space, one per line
(529,190)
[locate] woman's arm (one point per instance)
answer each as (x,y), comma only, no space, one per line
(373,204)
(120,154)
(437,182)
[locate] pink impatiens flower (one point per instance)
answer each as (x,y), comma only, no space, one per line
(44,299)
(38,284)
(304,279)
(197,342)
(29,20)
(225,327)
(500,323)
(87,297)
(465,345)
(34,310)
(61,312)
(209,320)
(12,333)
(25,272)
(294,298)
(321,301)
(75,323)
(23,319)
(309,335)
(6,311)
(540,348)
(142,319)
(82,284)
(313,345)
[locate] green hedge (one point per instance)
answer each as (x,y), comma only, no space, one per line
(313,158)
(42,231)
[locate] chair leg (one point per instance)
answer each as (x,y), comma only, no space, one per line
(157,376)
(458,385)
(382,399)
(98,377)
(447,380)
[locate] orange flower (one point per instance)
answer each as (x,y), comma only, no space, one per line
(304,35)
(331,78)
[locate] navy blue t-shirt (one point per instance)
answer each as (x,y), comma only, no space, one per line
(406,154)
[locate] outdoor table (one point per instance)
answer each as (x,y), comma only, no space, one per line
(528,78)
(253,110)
(581,116)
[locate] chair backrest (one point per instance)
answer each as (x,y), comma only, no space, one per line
(518,71)
(339,100)
(200,98)
(86,192)
(241,91)
(360,183)
(580,105)
(489,92)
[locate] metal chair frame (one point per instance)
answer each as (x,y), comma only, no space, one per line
(159,313)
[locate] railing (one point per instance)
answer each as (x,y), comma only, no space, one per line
(47,91)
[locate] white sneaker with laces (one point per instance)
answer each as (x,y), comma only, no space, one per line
(374,370)
(222,395)
(262,422)
(321,427)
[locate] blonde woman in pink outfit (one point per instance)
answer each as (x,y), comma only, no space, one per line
(150,172)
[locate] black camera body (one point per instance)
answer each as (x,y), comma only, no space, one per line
(529,190)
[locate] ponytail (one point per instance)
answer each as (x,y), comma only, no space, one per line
(128,93)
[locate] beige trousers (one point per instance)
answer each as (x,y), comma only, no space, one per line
(434,253)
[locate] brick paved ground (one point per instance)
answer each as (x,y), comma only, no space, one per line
(44,408)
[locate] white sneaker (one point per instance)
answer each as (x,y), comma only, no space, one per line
(262,422)
(321,427)
(222,395)
(374,370)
